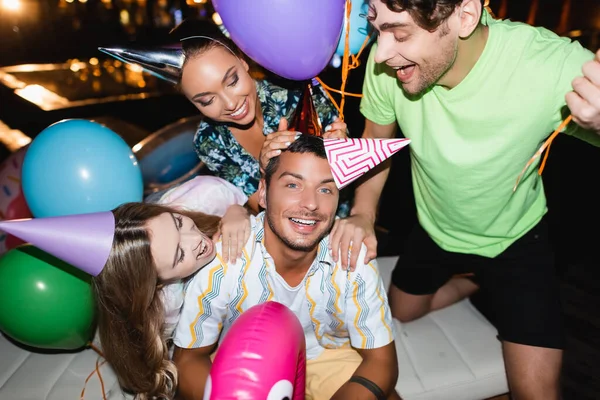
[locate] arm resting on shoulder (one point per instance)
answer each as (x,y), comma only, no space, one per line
(380,366)
(193,366)
(369,190)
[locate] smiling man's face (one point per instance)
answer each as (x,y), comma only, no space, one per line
(300,201)
(420,58)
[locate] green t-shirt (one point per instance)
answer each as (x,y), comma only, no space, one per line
(469,144)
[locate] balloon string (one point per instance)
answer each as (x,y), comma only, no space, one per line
(486,5)
(328,88)
(95,371)
(349,63)
(345,58)
(355,63)
(544,146)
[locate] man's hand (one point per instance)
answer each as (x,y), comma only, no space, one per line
(337,130)
(349,234)
(584,100)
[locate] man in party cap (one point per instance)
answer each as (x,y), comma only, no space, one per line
(477,97)
(345,316)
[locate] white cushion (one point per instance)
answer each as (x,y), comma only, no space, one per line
(449,354)
(26,375)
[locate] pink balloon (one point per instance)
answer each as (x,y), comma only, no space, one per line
(263,357)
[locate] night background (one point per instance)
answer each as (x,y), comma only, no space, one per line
(69,32)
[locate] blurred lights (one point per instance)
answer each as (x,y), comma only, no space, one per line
(217,19)
(41,96)
(11,5)
(134,68)
(124,17)
(77,65)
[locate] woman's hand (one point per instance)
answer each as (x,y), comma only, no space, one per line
(278,141)
(235,230)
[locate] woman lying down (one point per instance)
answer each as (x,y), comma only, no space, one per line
(139,293)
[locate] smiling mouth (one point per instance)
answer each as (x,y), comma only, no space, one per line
(306,222)
(240,111)
(404,68)
(204,248)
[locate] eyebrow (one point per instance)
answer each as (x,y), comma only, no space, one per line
(393,25)
(177,249)
(225,77)
(300,177)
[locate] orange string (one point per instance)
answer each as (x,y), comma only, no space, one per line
(345,58)
(486,5)
(545,146)
(95,371)
(349,62)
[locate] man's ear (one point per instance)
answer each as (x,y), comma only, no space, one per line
(470,16)
(262,193)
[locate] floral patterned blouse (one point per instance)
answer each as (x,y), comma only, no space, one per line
(226,158)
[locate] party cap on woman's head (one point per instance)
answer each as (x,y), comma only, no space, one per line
(164,62)
(82,240)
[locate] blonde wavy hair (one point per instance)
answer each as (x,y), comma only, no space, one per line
(130,305)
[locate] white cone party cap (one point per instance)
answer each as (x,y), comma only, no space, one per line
(351,158)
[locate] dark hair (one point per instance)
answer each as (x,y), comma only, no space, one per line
(195,46)
(428,14)
(130,306)
(304,144)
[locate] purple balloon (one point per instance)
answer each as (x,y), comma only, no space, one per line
(293,38)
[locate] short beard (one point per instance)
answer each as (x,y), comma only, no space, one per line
(437,72)
(297,246)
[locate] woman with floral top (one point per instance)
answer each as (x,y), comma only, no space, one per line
(242,115)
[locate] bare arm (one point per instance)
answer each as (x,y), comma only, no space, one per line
(380,366)
(193,366)
(369,191)
(360,226)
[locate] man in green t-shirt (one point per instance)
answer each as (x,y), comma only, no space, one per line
(477,97)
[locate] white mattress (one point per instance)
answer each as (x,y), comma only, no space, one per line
(35,376)
(451,354)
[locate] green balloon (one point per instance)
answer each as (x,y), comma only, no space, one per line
(44,302)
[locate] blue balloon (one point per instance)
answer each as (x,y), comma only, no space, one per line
(171,160)
(77,166)
(359,28)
